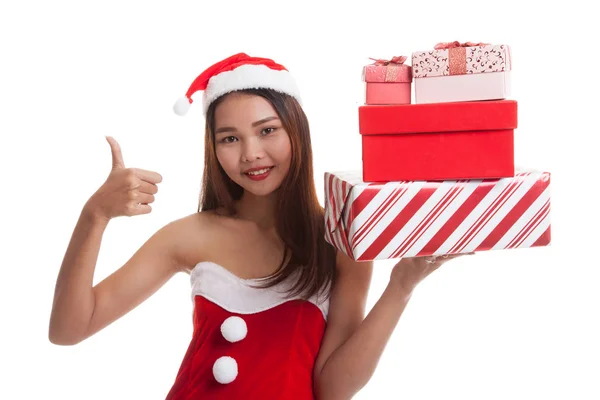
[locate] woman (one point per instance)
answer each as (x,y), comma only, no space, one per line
(278,312)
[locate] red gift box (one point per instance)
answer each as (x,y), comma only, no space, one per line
(466,140)
(377,221)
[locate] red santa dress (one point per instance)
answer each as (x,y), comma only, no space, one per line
(248,342)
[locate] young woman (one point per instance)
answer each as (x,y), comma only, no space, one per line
(278,312)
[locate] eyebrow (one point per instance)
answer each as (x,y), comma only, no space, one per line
(254,124)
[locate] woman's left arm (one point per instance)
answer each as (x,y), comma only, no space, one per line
(352,346)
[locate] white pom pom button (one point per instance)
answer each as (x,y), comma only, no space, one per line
(225,370)
(234,329)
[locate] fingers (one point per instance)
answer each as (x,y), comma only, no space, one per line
(145,198)
(435,259)
(448,257)
(136,209)
(142,209)
(117,162)
(139,203)
(148,176)
(146,187)
(117,156)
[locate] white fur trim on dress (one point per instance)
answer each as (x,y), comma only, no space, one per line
(249,77)
(241,296)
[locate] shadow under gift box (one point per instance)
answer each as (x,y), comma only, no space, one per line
(377,221)
(466,140)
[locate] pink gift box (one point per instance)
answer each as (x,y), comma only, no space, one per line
(387,82)
(387,93)
(462,72)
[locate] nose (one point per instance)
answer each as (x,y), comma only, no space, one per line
(252,150)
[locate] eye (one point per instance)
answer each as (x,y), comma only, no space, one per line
(266,131)
(228,139)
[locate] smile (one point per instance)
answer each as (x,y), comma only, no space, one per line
(260,174)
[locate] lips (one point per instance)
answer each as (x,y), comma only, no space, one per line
(257,171)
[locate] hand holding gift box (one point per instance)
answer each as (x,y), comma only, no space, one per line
(377,221)
(462,72)
(387,81)
(409,272)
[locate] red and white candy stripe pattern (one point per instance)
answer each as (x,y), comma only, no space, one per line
(376,221)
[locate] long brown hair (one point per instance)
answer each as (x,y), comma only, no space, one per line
(303,233)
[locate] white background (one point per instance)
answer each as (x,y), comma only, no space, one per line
(519,324)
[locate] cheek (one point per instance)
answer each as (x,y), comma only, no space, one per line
(284,150)
(226,158)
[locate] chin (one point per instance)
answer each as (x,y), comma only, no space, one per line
(260,192)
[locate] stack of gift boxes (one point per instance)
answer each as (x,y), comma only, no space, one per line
(438,176)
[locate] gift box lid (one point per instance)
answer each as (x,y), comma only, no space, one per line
(437,117)
(388,71)
(459,59)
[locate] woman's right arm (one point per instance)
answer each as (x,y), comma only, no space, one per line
(73,295)
(79,310)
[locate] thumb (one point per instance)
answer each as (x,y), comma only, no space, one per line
(115,149)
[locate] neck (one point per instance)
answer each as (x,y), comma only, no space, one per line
(258,209)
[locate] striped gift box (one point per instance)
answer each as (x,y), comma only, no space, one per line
(377,221)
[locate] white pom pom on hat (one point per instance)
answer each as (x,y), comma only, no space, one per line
(238,72)
(182,106)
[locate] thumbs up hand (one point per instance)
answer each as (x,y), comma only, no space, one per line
(126,192)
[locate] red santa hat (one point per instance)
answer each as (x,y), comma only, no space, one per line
(238,72)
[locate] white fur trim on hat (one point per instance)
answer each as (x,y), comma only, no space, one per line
(249,77)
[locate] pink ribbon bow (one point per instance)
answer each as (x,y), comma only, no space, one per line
(451,45)
(397,60)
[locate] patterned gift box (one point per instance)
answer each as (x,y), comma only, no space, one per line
(387,81)
(462,72)
(376,221)
(463,140)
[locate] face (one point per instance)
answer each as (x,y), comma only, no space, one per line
(251,144)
